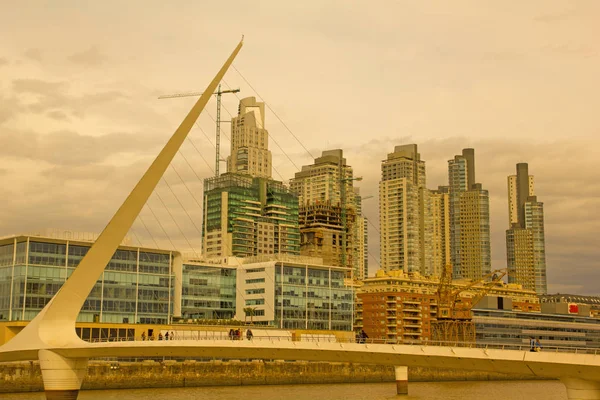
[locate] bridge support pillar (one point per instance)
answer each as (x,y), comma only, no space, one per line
(401,380)
(580,389)
(62,376)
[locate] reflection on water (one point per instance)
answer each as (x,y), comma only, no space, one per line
(505,390)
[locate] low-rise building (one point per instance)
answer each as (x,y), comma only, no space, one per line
(137,286)
(517,328)
(401,306)
(293,292)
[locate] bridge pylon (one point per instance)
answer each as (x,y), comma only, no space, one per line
(62,376)
(54,327)
(401,373)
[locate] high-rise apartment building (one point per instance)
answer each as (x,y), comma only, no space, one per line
(329,204)
(525,241)
(246,213)
(470,250)
(440,213)
(250,154)
(406,225)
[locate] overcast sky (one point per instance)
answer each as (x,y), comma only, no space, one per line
(518,81)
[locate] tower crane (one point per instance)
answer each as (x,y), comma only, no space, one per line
(218,93)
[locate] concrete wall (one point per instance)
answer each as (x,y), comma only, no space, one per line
(26,376)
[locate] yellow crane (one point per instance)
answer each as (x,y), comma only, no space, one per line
(454,322)
(218,121)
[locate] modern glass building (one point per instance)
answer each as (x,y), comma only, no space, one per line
(561,330)
(138,285)
(246,216)
(208,291)
(294,293)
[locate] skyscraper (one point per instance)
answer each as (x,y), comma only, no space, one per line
(329,204)
(250,154)
(470,250)
(525,241)
(404,213)
(246,213)
(440,213)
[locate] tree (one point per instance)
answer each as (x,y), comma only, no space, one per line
(249,311)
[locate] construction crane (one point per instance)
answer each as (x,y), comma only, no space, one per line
(454,322)
(218,93)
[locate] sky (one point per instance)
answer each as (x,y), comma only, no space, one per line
(80,120)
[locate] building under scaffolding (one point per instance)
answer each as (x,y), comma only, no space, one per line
(329,213)
(321,233)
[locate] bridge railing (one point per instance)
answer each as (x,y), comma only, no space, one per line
(366,341)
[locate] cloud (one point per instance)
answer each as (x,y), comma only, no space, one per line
(57,115)
(34,54)
(55,97)
(71,148)
(90,57)
(39,86)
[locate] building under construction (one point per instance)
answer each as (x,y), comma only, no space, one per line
(331,226)
(321,233)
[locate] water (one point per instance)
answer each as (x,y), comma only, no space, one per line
(502,390)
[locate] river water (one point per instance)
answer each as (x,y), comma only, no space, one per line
(496,390)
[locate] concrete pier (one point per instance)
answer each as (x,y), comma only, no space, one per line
(401,379)
(62,376)
(580,389)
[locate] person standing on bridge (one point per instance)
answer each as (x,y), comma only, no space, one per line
(249,334)
(143,335)
(531,343)
(538,345)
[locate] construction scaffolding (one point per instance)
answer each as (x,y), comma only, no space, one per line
(321,229)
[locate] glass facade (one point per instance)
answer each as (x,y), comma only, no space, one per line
(258,216)
(208,291)
(508,327)
(312,298)
(136,286)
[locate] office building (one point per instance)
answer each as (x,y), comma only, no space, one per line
(330,206)
(293,292)
(525,241)
(406,226)
(503,327)
(138,285)
(470,248)
(246,216)
(246,213)
(208,291)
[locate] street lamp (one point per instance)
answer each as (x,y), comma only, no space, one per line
(343,206)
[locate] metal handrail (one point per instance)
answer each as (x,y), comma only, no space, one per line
(367,341)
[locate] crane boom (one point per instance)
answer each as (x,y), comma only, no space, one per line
(218,121)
